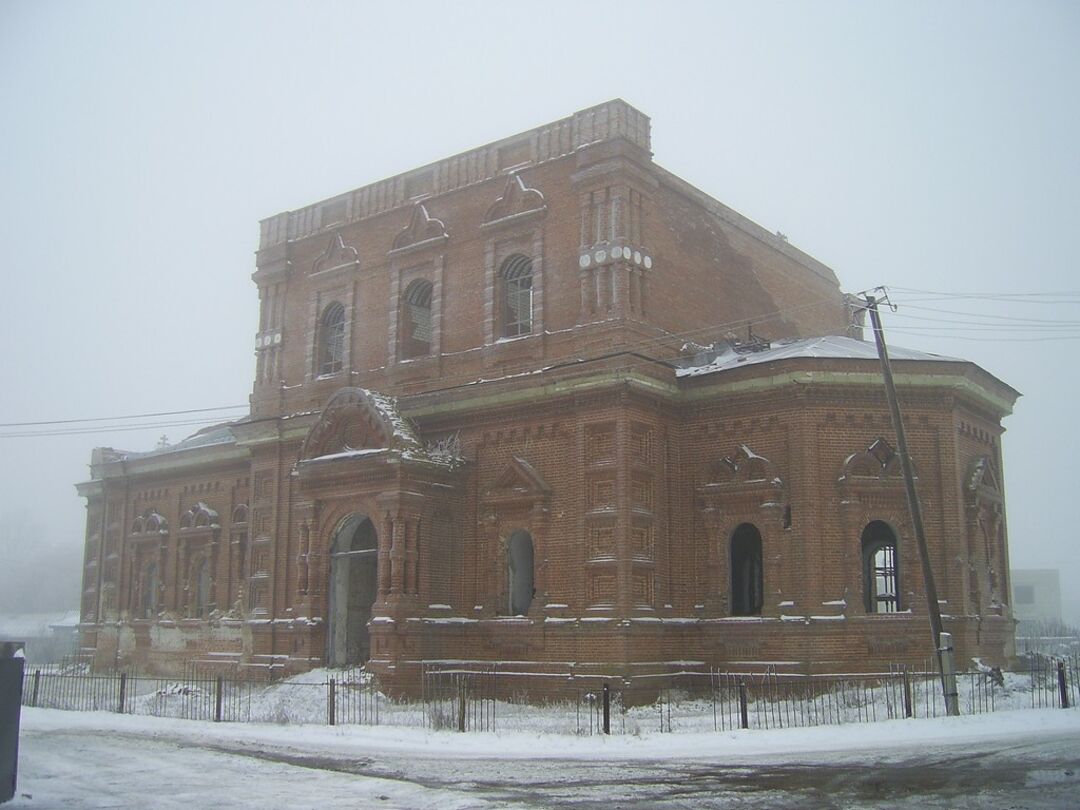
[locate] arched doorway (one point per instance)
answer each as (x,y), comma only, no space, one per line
(746,573)
(354,582)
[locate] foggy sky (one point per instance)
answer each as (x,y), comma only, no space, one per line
(920,145)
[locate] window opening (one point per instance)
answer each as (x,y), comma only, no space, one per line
(517,281)
(416,320)
(332,339)
(881,571)
(149,594)
(746,571)
(520,559)
(202,589)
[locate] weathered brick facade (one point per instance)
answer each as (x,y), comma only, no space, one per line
(546,476)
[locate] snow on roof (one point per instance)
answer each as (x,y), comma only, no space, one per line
(403,429)
(348,453)
(207,437)
(23,626)
(829,347)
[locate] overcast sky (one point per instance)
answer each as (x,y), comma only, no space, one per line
(929,146)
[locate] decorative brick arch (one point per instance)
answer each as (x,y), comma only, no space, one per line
(743,488)
(984,511)
(336,256)
(518,500)
(422,231)
(517,202)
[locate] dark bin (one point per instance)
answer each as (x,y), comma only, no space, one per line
(11,679)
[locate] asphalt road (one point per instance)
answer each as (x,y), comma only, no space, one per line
(1042,773)
(84,769)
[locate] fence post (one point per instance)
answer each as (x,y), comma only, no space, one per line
(1063,687)
(906,678)
(461,703)
(331,707)
(217,699)
(744,717)
(607,709)
(37,685)
(123,692)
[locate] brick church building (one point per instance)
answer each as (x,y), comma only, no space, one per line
(547,404)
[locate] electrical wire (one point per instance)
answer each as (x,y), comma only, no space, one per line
(114,418)
(1052,329)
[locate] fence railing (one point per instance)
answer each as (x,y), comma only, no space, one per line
(484,698)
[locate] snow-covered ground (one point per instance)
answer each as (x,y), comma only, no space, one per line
(100,760)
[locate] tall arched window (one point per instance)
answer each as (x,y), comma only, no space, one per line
(746,571)
(881,569)
(516,277)
(201,588)
(148,603)
(520,572)
(416,320)
(331,342)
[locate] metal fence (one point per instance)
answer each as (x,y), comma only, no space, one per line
(485,698)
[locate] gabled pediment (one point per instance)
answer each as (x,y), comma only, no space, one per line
(358,422)
(517,202)
(982,482)
(336,256)
(518,480)
(743,467)
(423,230)
(200,516)
(878,462)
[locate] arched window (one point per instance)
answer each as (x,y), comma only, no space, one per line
(881,569)
(746,571)
(520,572)
(148,603)
(516,278)
(201,588)
(331,348)
(416,320)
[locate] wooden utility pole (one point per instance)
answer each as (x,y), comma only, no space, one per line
(915,510)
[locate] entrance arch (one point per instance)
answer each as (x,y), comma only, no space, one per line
(354,583)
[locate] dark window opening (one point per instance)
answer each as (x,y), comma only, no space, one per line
(746,571)
(201,588)
(520,565)
(416,320)
(881,569)
(332,339)
(148,607)
(517,296)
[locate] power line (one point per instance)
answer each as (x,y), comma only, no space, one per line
(81,431)
(113,418)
